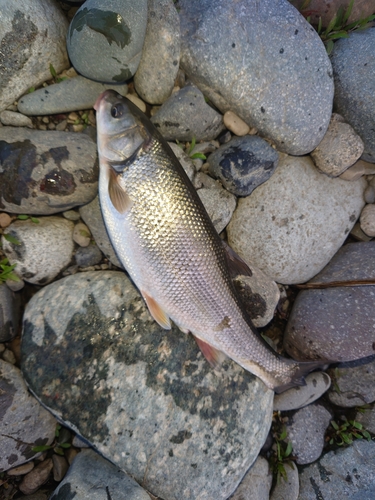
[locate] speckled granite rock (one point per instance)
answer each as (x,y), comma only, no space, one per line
(17,406)
(91,477)
(256,484)
(45,172)
(180,415)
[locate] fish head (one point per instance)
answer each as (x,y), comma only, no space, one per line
(120,128)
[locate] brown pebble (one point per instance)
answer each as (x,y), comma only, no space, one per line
(5,220)
(61,126)
(38,476)
(78,128)
(71,454)
(60,467)
(21,470)
(235,124)
(73,117)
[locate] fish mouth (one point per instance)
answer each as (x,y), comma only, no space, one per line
(98,101)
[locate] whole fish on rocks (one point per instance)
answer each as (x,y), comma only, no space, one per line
(167,243)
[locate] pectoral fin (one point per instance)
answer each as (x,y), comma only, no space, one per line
(213,356)
(157,312)
(119,197)
(237,266)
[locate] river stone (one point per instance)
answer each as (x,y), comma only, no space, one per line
(9,313)
(157,71)
(26,49)
(43,249)
(185,116)
(144,397)
(366,417)
(323,324)
(353,65)
(24,423)
(344,473)
(15,119)
(256,484)
(91,477)
(292,225)
(45,172)
(219,205)
(93,217)
(115,29)
(243,163)
(224,46)
(289,488)
(72,94)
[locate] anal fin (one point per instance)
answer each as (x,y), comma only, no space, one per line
(119,197)
(157,311)
(213,355)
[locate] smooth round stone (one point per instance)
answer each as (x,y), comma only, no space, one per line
(367,220)
(81,234)
(243,163)
(21,469)
(219,204)
(354,172)
(257,482)
(5,220)
(88,256)
(15,119)
(72,94)
(157,71)
(38,476)
(316,385)
(27,51)
(353,65)
(115,29)
(72,215)
(235,124)
(45,249)
(292,225)
(287,489)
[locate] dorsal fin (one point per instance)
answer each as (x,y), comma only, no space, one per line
(157,311)
(119,197)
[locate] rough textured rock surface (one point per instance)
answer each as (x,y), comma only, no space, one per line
(151,401)
(324,323)
(257,482)
(344,473)
(223,49)
(115,29)
(292,225)
(25,47)
(16,407)
(287,489)
(157,71)
(9,313)
(91,477)
(45,172)
(353,68)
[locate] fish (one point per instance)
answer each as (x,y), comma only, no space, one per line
(167,243)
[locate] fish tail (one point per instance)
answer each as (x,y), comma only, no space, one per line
(301,370)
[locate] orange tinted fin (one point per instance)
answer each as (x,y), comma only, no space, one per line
(237,266)
(119,197)
(157,312)
(213,356)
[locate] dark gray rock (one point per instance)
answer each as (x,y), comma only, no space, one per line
(353,68)
(9,313)
(45,172)
(26,50)
(345,473)
(366,417)
(72,94)
(263,61)
(91,477)
(115,29)
(306,432)
(144,397)
(185,115)
(157,71)
(43,249)
(324,324)
(88,256)
(92,216)
(243,163)
(353,383)
(24,423)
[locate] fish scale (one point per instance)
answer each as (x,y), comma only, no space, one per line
(166,241)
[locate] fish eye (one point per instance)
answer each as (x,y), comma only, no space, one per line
(117,111)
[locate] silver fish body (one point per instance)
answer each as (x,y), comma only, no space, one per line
(167,243)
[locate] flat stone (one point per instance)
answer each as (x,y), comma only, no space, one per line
(115,30)
(15,119)
(224,46)
(45,172)
(91,477)
(81,234)
(317,384)
(44,249)
(38,476)
(72,94)
(26,50)
(354,172)
(343,473)
(367,220)
(60,467)
(9,313)
(17,407)
(257,482)
(323,324)
(157,71)
(180,414)
(291,241)
(21,469)
(353,68)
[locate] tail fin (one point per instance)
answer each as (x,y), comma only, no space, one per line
(298,378)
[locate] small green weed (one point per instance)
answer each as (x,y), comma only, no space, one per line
(282,455)
(56,446)
(192,155)
(6,271)
(11,239)
(56,79)
(25,217)
(345,433)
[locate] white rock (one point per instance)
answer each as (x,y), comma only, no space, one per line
(292,225)
(137,101)
(289,489)
(367,220)
(82,235)
(298,397)
(15,119)
(219,204)
(369,194)
(256,484)
(235,124)
(44,249)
